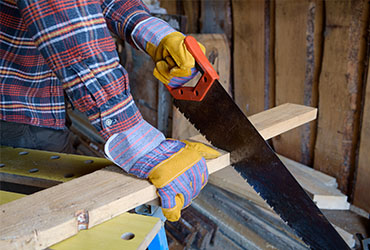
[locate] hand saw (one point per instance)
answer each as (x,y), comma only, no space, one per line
(214,113)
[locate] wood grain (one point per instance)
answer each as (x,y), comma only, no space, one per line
(248,55)
(44,218)
(170,6)
(215,17)
(47,217)
(340,89)
(361,195)
(269,123)
(297,62)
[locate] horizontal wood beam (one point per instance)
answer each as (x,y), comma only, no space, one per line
(49,216)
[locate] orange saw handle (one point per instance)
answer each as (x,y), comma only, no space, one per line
(209,75)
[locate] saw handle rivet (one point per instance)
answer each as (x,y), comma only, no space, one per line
(2,165)
(33,170)
(55,157)
(88,161)
(23,153)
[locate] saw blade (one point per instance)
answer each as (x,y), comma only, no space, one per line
(220,120)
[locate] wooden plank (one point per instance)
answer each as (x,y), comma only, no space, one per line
(325,179)
(340,89)
(361,196)
(281,119)
(269,123)
(325,197)
(50,213)
(297,67)
(47,217)
(215,17)
(248,56)
(170,6)
(347,237)
(191,9)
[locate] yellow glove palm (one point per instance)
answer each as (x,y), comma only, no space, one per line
(180,177)
(171,57)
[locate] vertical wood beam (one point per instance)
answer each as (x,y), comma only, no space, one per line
(297,66)
(170,6)
(340,89)
(361,195)
(191,9)
(248,56)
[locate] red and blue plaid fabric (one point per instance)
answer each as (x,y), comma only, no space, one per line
(49,48)
(126,147)
(189,184)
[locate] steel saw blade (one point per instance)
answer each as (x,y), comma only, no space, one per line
(221,121)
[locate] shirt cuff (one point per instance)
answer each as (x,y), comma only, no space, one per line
(126,147)
(151,30)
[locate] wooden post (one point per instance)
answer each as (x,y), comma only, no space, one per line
(248,55)
(297,66)
(340,89)
(362,185)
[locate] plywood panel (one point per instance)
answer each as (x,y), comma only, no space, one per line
(362,187)
(340,89)
(297,63)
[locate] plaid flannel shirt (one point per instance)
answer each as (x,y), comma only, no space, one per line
(49,48)
(52,48)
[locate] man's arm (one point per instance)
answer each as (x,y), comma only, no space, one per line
(74,39)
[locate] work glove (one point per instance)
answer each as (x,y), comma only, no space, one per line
(176,168)
(174,65)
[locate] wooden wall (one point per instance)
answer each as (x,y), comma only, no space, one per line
(312,52)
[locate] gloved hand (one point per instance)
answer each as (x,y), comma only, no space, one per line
(174,65)
(178,169)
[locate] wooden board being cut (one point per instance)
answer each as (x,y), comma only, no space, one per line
(47,217)
(270,123)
